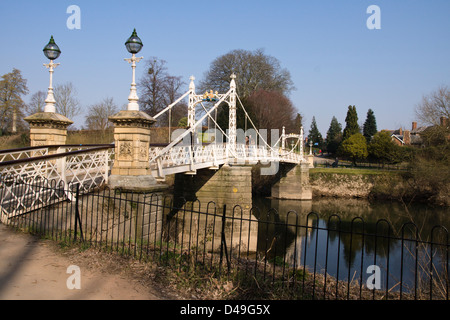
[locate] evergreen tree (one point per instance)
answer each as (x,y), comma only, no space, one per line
(351,121)
(314,134)
(354,147)
(382,149)
(334,136)
(370,126)
(298,122)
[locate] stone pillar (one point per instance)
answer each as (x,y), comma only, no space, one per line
(310,159)
(48,128)
(293,184)
(131,170)
(230,185)
(131,174)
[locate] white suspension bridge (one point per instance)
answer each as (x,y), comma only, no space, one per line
(89,165)
(185,154)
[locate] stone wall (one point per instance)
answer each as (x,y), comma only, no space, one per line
(356,185)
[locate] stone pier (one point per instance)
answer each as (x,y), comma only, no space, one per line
(208,191)
(293,183)
(131,174)
(230,185)
(131,170)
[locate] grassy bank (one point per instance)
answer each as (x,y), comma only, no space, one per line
(353,171)
(195,282)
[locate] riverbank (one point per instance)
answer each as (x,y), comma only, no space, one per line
(373,184)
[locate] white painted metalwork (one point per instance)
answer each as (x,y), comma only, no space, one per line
(25,153)
(86,166)
(180,159)
(232,118)
(193,100)
(177,157)
(50,100)
(133,97)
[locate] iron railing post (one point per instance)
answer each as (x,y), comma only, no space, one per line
(77,214)
(223,244)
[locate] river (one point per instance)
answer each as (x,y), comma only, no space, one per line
(344,255)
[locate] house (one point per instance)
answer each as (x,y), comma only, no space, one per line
(413,137)
(406,137)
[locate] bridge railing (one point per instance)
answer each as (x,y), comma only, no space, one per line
(265,154)
(86,166)
(193,157)
(186,158)
(23,153)
(293,255)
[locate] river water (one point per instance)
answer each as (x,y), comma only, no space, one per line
(348,256)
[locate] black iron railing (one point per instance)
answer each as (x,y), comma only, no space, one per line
(304,256)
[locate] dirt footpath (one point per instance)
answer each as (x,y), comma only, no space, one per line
(34,269)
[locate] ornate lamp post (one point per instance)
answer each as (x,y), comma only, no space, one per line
(52,52)
(131,169)
(49,127)
(134,45)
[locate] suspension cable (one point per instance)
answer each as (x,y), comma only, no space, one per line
(217,125)
(191,129)
(171,105)
(257,131)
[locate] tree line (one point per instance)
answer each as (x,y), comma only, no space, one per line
(357,142)
(263,87)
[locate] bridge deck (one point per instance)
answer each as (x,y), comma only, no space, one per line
(181,159)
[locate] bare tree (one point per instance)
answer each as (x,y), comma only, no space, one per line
(158,89)
(66,102)
(12,87)
(36,104)
(434,106)
(172,91)
(273,110)
(152,86)
(254,70)
(257,75)
(97,117)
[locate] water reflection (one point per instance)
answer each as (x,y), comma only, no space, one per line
(338,237)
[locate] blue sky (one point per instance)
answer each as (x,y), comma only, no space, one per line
(334,59)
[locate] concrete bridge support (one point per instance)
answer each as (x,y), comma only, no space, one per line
(293,183)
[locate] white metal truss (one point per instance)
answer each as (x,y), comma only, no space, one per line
(178,157)
(181,159)
(22,154)
(211,96)
(25,183)
(232,117)
(298,137)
